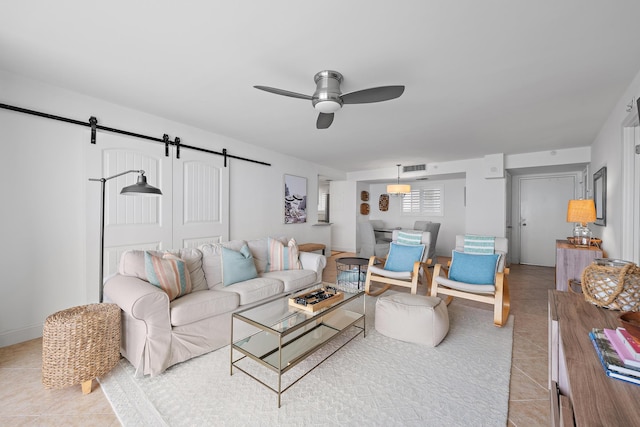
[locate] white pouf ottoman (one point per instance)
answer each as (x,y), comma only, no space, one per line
(414,318)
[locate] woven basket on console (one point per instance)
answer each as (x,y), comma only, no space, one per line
(80,344)
(612,284)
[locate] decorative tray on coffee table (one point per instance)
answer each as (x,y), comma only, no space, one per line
(316,299)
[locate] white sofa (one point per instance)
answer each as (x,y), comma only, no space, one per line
(158,333)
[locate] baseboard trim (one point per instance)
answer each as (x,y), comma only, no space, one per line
(20,335)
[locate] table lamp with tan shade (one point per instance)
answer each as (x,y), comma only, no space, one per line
(581,212)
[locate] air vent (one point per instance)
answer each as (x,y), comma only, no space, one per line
(414,168)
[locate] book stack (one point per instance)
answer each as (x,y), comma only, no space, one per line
(619,353)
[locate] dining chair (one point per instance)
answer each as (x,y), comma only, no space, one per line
(368,245)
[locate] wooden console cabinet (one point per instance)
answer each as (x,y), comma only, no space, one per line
(571,261)
(580,391)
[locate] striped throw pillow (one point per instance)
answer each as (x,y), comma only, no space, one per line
(281,257)
(169,273)
(479,244)
(405,238)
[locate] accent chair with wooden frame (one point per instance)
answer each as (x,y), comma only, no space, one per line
(416,265)
(496,293)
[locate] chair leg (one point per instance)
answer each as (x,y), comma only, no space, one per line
(502,303)
(367,286)
(379,291)
(433,289)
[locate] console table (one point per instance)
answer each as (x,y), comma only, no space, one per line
(580,391)
(571,260)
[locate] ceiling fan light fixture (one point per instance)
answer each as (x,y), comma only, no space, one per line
(328,98)
(327,106)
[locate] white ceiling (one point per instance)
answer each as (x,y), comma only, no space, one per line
(481,77)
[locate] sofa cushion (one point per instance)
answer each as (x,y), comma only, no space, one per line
(292,279)
(193,258)
(132,264)
(212,260)
(237,266)
(281,256)
(169,273)
(254,290)
(260,252)
(201,305)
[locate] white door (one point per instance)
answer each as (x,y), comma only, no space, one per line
(193,208)
(201,199)
(543,212)
(129,221)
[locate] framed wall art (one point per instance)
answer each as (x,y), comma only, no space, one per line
(295,199)
(600,195)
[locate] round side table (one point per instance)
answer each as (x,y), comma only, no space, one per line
(352,272)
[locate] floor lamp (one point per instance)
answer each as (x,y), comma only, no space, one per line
(139,188)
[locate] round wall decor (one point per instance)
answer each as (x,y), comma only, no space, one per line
(364,196)
(364,208)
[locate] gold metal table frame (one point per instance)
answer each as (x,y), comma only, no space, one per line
(282,336)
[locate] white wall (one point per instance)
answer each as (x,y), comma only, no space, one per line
(486,202)
(46,212)
(607,151)
(485,211)
(344,200)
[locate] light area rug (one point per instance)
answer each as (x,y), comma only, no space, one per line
(372,381)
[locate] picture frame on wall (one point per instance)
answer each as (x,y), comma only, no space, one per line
(600,195)
(295,199)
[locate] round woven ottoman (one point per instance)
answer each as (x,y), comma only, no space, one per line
(413,318)
(80,344)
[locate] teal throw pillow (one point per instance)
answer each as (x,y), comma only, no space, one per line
(237,266)
(473,269)
(402,257)
(168,273)
(405,238)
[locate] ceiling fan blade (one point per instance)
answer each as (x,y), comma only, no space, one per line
(283,92)
(375,94)
(324,120)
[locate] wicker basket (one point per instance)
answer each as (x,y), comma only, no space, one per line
(612,284)
(80,344)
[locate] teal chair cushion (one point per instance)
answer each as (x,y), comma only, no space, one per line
(402,257)
(473,269)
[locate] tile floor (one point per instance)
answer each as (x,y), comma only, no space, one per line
(25,402)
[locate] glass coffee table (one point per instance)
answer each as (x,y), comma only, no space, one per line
(282,335)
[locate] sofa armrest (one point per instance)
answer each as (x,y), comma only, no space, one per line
(148,348)
(313,261)
(138,298)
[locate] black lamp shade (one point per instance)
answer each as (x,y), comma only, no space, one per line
(140,187)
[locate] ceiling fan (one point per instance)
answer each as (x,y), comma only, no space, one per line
(327,98)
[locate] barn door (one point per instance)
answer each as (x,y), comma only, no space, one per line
(130,221)
(200,199)
(193,208)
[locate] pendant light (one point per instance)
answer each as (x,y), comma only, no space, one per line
(398,189)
